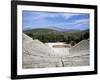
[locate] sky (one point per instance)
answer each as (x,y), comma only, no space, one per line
(64,20)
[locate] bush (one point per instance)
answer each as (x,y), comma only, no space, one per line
(72,43)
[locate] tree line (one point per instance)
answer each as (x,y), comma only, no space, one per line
(67,38)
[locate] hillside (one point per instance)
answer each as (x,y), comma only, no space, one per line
(41,31)
(55,35)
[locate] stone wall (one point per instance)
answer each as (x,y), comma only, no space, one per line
(36,54)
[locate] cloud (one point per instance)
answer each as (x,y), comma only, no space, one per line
(68,15)
(63,20)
